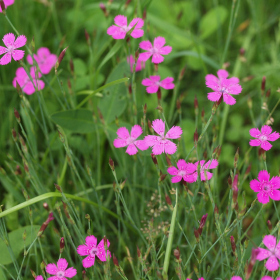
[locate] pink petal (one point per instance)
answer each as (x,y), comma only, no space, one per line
(9,39)
(29,59)
(208,174)
(39,84)
(139,65)
(152,89)
(83,250)
(131,149)
(28,88)
(101,250)
(145,45)
(151,140)
(266,129)
(211,78)
(275,182)
(176,179)
(138,21)
(272,264)
(141,144)
(121,21)
(263,197)
(174,132)
(119,143)
(2,50)
(234,89)
(236,278)
(35,74)
(116,32)
(165,50)
(269,241)
(214,96)
(233,80)
(39,277)
(62,264)
(43,52)
(136,131)
(266,145)
(159,126)
(5,59)
(190,168)
(20,82)
(228,99)
(254,132)
(274,194)
(20,72)
(18,54)
(169,147)
(263,176)
(155,79)
(255,142)
(55,278)
(268,278)
(189,178)
(213,164)
(144,56)
(147,82)
(123,133)
(157,58)
(137,33)
(213,85)
(255,185)
(167,83)
(181,164)
(159,42)
(51,269)
(20,41)
(263,254)
(222,74)
(274,136)
(158,148)
(91,241)
(70,272)
(172,170)
(88,261)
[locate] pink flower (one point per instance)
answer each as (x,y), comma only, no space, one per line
(156,51)
(266,189)
(126,140)
(60,270)
(45,60)
(91,250)
(236,278)
(7,3)
(39,277)
(153,83)
(269,278)
(263,137)
(160,143)
(12,45)
(119,30)
(273,253)
(210,164)
(25,83)
(223,87)
(139,65)
(184,171)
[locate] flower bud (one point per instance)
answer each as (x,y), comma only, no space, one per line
(181,75)
(236,157)
(60,58)
(115,261)
(111,163)
(58,188)
(195,137)
(263,84)
(233,245)
(269,225)
(61,244)
(154,159)
(71,68)
(17,115)
(14,134)
(45,224)
(46,206)
(3,7)
(87,37)
(177,253)
(159,95)
(168,160)
(202,223)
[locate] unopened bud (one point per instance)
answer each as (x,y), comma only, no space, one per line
(268,93)
(181,75)
(144,14)
(242,51)
(235,189)
(233,245)
(123,184)
(45,224)
(60,58)
(195,137)
(24,236)
(196,234)
(145,109)
(17,115)
(115,261)
(202,114)
(150,126)
(61,244)
(263,84)
(14,134)
(156,67)
(138,252)
(202,223)
(154,159)
(111,163)
(236,157)
(71,68)
(216,210)
(162,176)
(168,160)
(247,172)
(84,275)
(58,188)
(136,55)
(2,5)
(229,181)
(269,225)
(87,37)
(195,105)
(168,200)
(101,116)
(46,206)
(178,105)
(32,272)
(177,253)
(159,95)
(127,3)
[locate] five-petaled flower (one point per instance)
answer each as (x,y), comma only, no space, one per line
(119,30)
(125,139)
(185,171)
(273,253)
(11,46)
(91,250)
(25,83)
(160,143)
(266,188)
(46,61)
(223,87)
(263,137)
(153,83)
(210,164)
(156,50)
(7,3)
(139,64)
(60,270)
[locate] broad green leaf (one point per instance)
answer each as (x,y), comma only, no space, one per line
(195,61)
(16,242)
(11,220)
(80,68)
(79,120)
(114,102)
(210,22)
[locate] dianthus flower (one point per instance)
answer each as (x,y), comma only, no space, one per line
(39,277)
(269,278)
(25,83)
(263,137)
(7,3)
(266,188)
(91,250)
(223,87)
(155,50)
(211,164)
(185,171)
(119,30)
(160,143)
(139,64)
(45,60)
(153,83)
(60,270)
(12,44)
(129,140)
(273,253)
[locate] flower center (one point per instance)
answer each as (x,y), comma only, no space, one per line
(154,50)
(263,138)
(93,251)
(182,173)
(266,187)
(11,49)
(60,274)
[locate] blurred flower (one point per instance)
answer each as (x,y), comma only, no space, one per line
(269,278)
(211,164)
(236,278)
(60,270)
(12,45)
(91,250)
(160,143)
(266,188)
(39,277)
(139,65)
(273,253)
(155,50)
(119,30)
(153,83)
(223,87)
(184,171)
(126,140)
(45,60)
(25,83)
(263,137)
(7,3)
